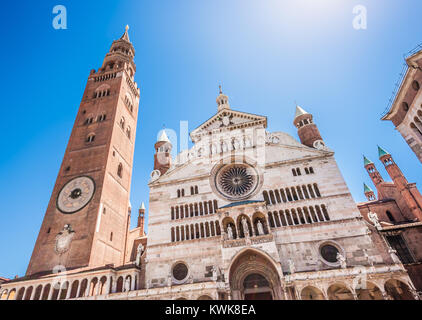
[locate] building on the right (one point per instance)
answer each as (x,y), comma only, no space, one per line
(405,111)
(395,213)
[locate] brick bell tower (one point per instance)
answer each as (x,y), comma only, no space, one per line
(85,223)
(369,193)
(307,130)
(408,190)
(374,175)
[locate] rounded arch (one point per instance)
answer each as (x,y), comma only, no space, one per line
(4,294)
(240,228)
(228,221)
(339,291)
(74,289)
(46,292)
(83,289)
(103,285)
(119,287)
(260,217)
(38,292)
(259,267)
(398,290)
(312,293)
(205,297)
(12,294)
(28,293)
(368,291)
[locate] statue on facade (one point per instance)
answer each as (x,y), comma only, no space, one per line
(393,254)
(292,267)
(127,285)
(373,217)
(230,232)
(245,226)
(342,260)
(214,273)
(260,228)
(139,253)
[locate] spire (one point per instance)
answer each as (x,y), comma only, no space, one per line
(366,188)
(164,137)
(366,161)
(142,206)
(125,36)
(300,111)
(382,152)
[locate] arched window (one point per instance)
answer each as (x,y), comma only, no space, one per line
(128,132)
(318,194)
(122,122)
(120,170)
(294,172)
(90,138)
(191,191)
(266,199)
(196,190)
(101,118)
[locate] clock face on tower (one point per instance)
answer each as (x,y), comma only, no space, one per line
(75,195)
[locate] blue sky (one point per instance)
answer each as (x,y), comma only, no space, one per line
(267,54)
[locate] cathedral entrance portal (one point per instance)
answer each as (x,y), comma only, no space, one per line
(253,276)
(256,287)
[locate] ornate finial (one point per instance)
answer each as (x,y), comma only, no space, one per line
(221,89)
(127,28)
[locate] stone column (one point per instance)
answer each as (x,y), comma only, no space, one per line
(97,289)
(79,289)
(267,220)
(88,288)
(50,294)
(107,286)
(69,291)
(132,285)
(114,285)
(60,292)
(33,293)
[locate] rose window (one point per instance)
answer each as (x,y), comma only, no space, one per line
(237,181)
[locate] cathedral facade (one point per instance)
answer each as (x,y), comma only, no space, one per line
(245,214)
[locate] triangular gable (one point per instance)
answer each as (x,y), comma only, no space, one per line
(229,119)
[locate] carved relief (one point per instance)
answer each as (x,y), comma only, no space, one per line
(64,239)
